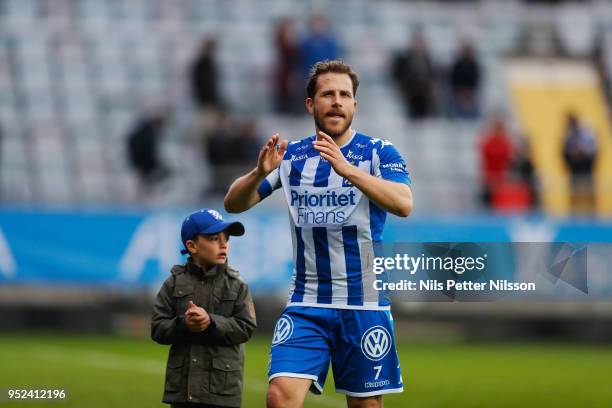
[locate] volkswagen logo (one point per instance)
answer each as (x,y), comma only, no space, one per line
(283,330)
(375,343)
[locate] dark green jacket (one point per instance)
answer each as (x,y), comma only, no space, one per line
(204,367)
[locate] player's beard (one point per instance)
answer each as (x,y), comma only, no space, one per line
(319,119)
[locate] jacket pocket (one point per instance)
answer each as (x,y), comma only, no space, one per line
(226,303)
(182,295)
(226,377)
(174,372)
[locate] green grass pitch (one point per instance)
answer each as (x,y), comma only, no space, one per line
(126,372)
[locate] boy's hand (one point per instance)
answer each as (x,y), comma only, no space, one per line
(196,318)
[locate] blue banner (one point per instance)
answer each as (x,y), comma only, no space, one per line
(126,249)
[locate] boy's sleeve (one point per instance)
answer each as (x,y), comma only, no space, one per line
(391,165)
(166,327)
(239,327)
(269,184)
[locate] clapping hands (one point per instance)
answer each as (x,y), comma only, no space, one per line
(196,318)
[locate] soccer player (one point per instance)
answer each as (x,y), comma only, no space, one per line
(339,185)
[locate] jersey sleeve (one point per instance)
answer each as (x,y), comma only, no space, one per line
(391,165)
(269,184)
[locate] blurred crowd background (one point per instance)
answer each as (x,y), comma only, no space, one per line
(118,117)
(163,103)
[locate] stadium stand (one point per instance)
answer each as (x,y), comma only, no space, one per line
(74,86)
(543,92)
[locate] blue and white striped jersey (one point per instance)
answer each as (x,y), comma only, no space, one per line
(333,224)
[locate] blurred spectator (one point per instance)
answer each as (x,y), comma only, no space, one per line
(465,81)
(143,149)
(580,153)
(229,146)
(218,140)
(320,44)
(287,79)
(524,169)
(496,159)
(415,74)
(511,197)
(248,145)
(1,143)
(204,80)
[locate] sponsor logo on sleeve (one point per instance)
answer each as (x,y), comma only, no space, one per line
(399,167)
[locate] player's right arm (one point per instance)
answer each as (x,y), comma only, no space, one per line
(243,193)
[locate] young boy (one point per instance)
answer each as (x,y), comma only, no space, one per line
(205,312)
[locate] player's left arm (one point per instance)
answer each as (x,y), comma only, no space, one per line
(393,196)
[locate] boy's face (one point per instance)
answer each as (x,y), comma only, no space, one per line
(209,250)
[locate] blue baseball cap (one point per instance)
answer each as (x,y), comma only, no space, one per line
(207,222)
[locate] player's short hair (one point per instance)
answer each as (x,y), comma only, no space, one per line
(329,66)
